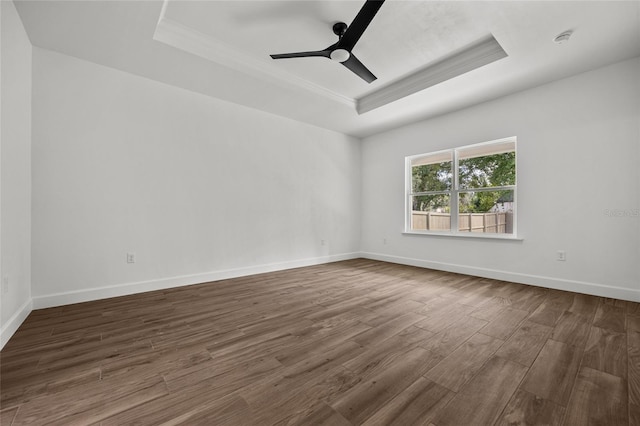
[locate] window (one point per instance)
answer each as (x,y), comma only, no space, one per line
(462,191)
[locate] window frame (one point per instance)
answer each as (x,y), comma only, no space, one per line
(455,191)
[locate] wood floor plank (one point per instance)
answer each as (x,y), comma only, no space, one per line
(246,347)
(287,400)
(633,322)
(463,363)
(548,313)
(364,399)
(488,312)
(273,398)
(634,414)
(90,403)
(412,336)
(528,409)
(485,396)
(313,344)
(230,374)
(524,345)
(380,357)
(560,297)
(553,373)
(610,317)
(598,399)
(417,404)
(440,317)
(447,340)
(167,408)
(350,342)
(227,411)
(634,375)
(93,354)
(338,308)
(505,323)
(323,415)
(606,351)
(164,361)
(45,346)
(584,304)
(633,338)
(326,388)
(476,296)
(630,308)
(389,329)
(527,299)
(572,328)
(378,317)
(16,363)
(305,370)
(7,415)
(48,383)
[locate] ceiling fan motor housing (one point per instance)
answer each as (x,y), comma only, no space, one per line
(339,28)
(340,55)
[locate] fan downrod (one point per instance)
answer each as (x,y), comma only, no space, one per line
(339,28)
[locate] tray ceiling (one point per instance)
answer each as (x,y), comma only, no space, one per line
(221,49)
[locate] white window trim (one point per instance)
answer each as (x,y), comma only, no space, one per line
(454,193)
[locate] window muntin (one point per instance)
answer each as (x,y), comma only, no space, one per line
(470,189)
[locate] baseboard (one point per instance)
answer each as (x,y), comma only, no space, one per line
(594,289)
(14,322)
(97,293)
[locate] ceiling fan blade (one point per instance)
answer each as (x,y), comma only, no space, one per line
(324,53)
(359,69)
(359,24)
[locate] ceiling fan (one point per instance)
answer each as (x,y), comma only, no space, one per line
(348,37)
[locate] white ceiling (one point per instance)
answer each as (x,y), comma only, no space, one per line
(221,49)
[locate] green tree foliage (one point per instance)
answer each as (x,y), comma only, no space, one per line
(482,202)
(479,172)
(485,172)
(432,177)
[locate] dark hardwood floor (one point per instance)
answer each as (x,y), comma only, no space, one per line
(346,343)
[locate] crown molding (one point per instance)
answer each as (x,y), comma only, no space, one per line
(476,55)
(182,37)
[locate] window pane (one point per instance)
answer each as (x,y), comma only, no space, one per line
(485,166)
(432,172)
(486,211)
(431,212)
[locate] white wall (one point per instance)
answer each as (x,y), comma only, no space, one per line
(197,188)
(15,172)
(578,154)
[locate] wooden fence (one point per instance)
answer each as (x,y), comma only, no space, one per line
(495,223)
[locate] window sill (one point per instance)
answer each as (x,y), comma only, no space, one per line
(466,235)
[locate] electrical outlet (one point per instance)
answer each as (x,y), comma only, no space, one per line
(561,255)
(131,258)
(322,242)
(384,241)
(5,284)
